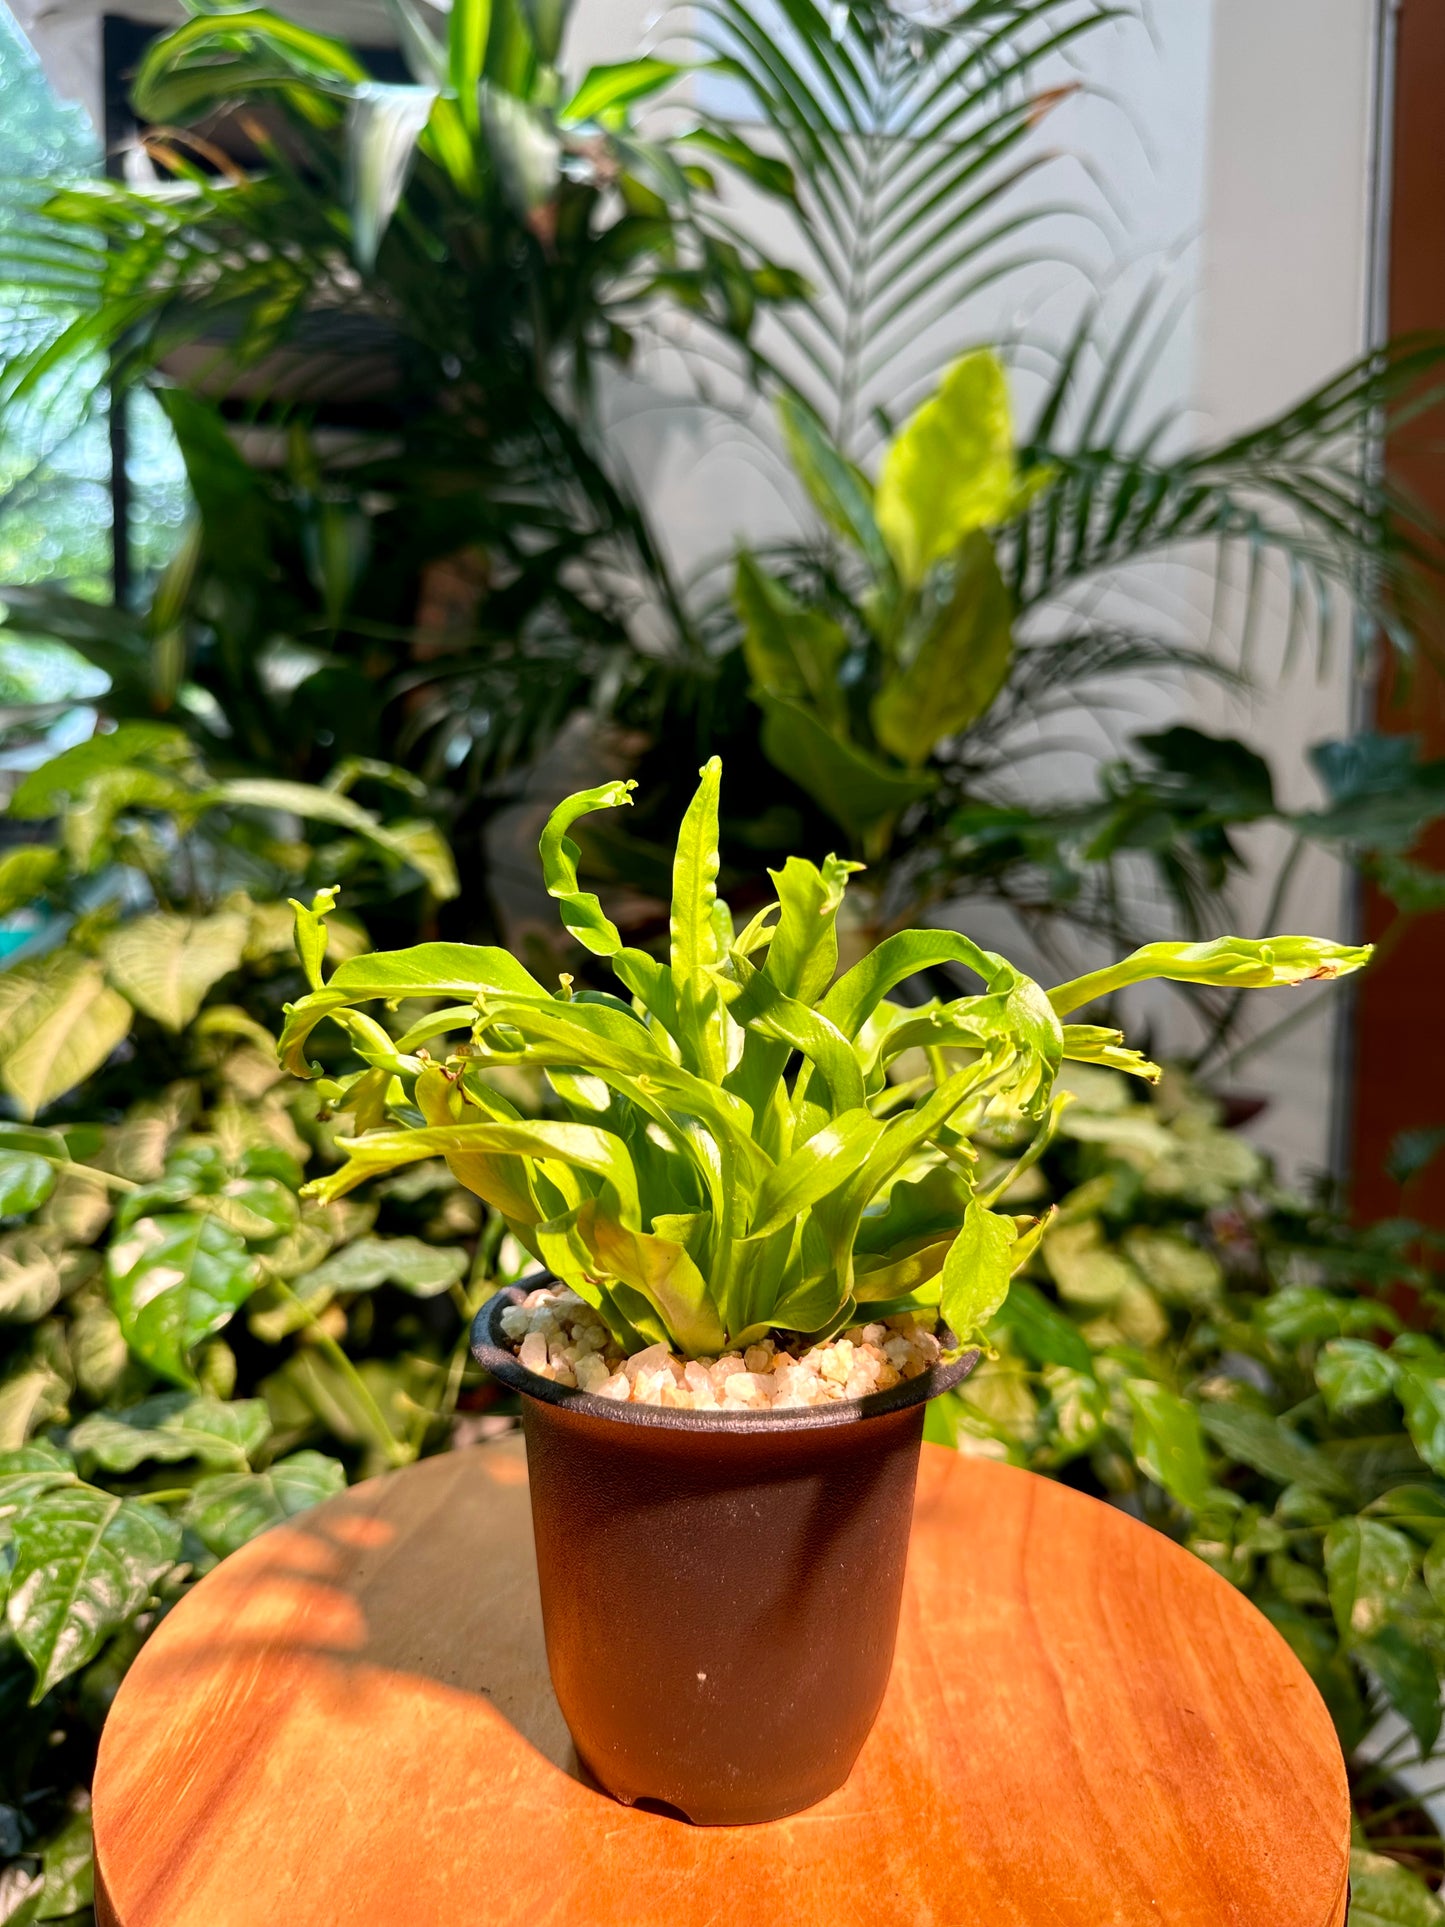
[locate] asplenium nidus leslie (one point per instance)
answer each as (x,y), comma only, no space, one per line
(743,1141)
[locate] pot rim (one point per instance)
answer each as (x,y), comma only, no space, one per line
(492,1350)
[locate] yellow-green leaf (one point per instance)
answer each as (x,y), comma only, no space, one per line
(959,665)
(951,469)
(165,964)
(59,1020)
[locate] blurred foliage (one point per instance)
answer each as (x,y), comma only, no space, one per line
(1238,1366)
(185,1357)
(161,903)
(377,337)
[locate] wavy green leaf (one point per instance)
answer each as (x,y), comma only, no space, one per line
(662,1271)
(1240,963)
(552,1145)
(817,1168)
(581,911)
(976,1273)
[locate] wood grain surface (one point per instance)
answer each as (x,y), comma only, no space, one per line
(350,1721)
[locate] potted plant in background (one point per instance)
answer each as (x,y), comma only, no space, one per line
(757,1197)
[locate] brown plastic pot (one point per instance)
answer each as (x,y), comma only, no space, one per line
(720,1590)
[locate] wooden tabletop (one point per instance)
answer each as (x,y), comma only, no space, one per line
(350,1722)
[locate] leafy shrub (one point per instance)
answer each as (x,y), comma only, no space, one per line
(1245,1370)
(187,1357)
(161,889)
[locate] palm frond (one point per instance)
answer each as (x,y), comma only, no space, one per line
(1299,488)
(909,138)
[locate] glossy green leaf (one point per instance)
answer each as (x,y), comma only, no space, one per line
(1273,1448)
(311,933)
(695,945)
(173,1426)
(259,1209)
(1406,1670)
(1168,1442)
(1041,1331)
(24,873)
(1432,1567)
(426,970)
(65,777)
(951,469)
(30,1280)
(581,912)
(1091,1044)
(1422,1393)
(802,955)
(68,1871)
(174,1280)
(661,1270)
(580,1145)
(468,26)
(227,1510)
(367,1263)
(959,663)
(27,1472)
(318,805)
(85,1563)
(619,85)
(814,1170)
(693,933)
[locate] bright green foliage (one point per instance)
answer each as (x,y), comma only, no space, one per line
(160,888)
(745,1141)
(928,637)
(951,469)
(1224,1358)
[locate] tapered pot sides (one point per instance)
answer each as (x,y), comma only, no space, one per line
(720,1590)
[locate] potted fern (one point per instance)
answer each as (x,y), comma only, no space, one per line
(765,1248)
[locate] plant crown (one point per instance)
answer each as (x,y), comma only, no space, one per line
(747,1140)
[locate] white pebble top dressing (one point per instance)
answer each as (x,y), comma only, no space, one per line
(559,1337)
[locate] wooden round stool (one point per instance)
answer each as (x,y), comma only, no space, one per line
(351,1721)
